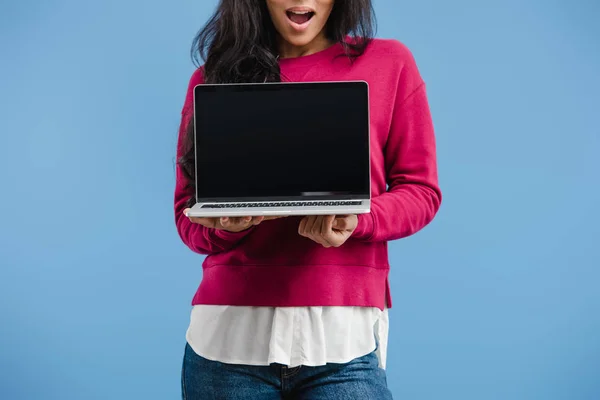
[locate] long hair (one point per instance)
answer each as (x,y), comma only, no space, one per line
(238,44)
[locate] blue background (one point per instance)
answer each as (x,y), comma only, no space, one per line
(499,298)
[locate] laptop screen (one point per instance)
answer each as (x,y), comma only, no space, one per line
(282,141)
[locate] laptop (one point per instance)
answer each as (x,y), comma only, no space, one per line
(277,149)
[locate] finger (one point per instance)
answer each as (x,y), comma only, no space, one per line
(345,223)
(235,224)
(257,220)
(225,222)
(338,223)
(338,237)
(310,221)
(302,226)
(316,233)
(306,228)
(244,224)
(232,223)
(317,226)
(326,231)
(326,225)
(272,217)
(341,224)
(240,222)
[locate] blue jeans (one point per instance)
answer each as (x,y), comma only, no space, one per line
(202,379)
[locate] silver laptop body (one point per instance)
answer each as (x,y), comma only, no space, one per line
(282,149)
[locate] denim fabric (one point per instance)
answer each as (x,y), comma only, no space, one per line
(361,378)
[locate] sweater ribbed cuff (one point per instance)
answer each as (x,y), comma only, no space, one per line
(365,228)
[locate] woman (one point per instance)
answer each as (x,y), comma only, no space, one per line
(297,307)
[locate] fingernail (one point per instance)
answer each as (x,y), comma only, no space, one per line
(224,220)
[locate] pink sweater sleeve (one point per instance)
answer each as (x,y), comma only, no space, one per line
(197,237)
(413,196)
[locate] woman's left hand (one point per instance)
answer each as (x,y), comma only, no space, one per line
(328,230)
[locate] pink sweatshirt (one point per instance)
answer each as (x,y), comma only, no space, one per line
(271,264)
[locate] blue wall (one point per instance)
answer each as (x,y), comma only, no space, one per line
(498,299)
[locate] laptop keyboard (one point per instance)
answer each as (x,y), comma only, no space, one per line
(288,204)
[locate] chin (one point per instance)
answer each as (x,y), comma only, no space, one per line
(300,40)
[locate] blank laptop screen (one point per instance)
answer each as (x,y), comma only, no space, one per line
(281,141)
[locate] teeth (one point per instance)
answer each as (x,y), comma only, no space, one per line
(300,12)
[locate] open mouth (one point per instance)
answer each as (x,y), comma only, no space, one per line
(300,17)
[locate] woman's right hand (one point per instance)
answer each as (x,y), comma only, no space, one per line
(230,224)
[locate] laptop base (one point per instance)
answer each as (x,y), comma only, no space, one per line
(214,210)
